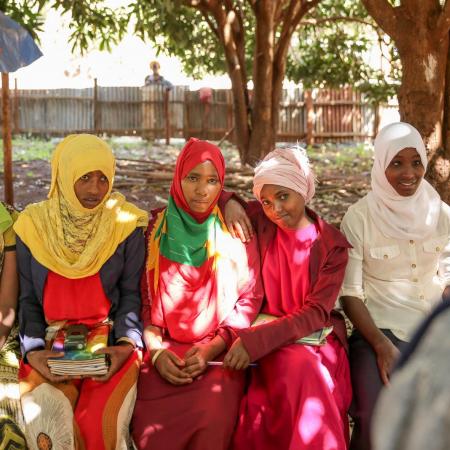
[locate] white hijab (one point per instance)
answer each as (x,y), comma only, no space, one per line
(399,217)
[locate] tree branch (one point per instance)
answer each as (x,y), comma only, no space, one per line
(384,15)
(210,23)
(316,22)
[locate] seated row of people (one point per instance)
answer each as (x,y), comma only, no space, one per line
(211,305)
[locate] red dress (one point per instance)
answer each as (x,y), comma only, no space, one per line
(95,413)
(298,395)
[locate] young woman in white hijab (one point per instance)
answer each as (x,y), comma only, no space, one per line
(398,267)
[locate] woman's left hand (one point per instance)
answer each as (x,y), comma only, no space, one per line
(118,354)
(196,359)
(237,357)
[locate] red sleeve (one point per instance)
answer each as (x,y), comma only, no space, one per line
(225,196)
(313,315)
(250,298)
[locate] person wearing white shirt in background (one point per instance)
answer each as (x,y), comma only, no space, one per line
(398,269)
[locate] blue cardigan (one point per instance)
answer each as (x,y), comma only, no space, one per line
(120,277)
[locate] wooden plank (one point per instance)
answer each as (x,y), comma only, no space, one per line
(7,143)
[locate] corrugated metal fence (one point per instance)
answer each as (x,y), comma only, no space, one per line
(152,112)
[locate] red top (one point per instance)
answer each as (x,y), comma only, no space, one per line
(75,300)
(327,261)
(247,303)
(286,270)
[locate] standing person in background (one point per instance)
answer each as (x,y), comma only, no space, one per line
(80,257)
(201,285)
(300,391)
(399,266)
(156,79)
(11,420)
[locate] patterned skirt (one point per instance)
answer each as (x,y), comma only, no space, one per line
(11,419)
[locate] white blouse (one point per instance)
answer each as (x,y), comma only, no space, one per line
(399,280)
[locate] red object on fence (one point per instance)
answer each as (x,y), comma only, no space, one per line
(205,94)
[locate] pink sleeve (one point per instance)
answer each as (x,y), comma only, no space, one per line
(313,315)
(250,298)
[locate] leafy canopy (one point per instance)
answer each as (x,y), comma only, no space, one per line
(330,48)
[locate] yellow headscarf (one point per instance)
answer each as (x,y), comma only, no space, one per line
(61,234)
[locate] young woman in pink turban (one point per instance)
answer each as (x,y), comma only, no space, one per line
(299,393)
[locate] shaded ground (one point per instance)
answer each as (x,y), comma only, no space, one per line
(144,172)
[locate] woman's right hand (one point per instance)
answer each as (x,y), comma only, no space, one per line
(387,354)
(38,360)
(169,366)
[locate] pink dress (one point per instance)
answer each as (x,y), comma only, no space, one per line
(298,395)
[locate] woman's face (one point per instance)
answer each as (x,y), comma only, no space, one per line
(91,188)
(201,187)
(405,172)
(283,206)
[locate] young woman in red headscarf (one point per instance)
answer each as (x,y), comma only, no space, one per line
(300,390)
(200,286)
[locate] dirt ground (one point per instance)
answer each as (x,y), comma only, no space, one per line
(144,173)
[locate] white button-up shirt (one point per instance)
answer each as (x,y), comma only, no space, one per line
(399,280)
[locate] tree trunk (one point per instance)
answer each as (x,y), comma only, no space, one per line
(421,101)
(420,30)
(439,166)
(262,133)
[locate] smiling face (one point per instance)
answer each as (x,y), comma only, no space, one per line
(405,172)
(91,188)
(201,187)
(283,206)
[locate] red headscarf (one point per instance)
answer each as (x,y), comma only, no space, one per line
(193,153)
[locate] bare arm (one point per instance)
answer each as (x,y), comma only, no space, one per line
(359,315)
(9,291)
(168,364)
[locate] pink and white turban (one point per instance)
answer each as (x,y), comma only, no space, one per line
(287,167)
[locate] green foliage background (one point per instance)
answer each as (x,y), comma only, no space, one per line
(329,49)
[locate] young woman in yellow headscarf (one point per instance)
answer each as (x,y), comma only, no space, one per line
(80,256)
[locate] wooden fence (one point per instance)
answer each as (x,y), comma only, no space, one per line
(152,112)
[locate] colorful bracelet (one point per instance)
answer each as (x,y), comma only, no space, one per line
(157,355)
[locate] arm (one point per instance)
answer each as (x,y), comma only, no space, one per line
(9,291)
(353,303)
(444,271)
(166,362)
(250,298)
(127,324)
(31,315)
(243,314)
(32,321)
(236,219)
(313,315)
(361,319)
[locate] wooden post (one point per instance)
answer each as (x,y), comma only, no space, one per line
(7,145)
(309,117)
(16,107)
(167,115)
(376,119)
(95,108)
